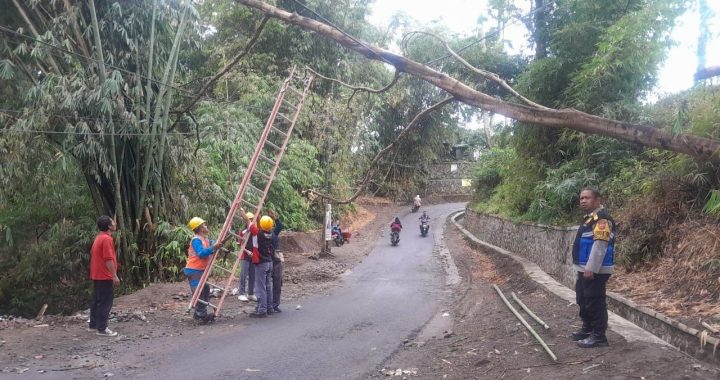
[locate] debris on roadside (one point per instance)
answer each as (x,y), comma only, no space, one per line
(399,372)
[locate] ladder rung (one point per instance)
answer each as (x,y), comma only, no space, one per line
(295,91)
(232,234)
(290,105)
(269,161)
(273,146)
(250,186)
(263,175)
(250,205)
(222,269)
(276,129)
(214,286)
(207,303)
(284,117)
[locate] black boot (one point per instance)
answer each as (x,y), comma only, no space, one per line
(593,341)
(581,334)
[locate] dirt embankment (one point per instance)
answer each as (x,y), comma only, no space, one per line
(675,251)
(61,343)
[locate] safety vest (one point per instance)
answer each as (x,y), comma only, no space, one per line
(596,226)
(193,260)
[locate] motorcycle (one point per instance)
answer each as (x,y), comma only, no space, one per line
(424,228)
(415,208)
(394,238)
(338,238)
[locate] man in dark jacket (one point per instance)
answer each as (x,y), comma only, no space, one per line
(593,260)
(278,259)
(263,262)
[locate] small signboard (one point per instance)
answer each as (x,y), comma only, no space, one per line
(328,222)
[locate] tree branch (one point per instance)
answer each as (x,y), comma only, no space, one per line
(707,72)
(359,88)
(645,135)
(225,69)
(370,171)
(483,73)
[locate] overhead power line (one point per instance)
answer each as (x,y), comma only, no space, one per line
(42,132)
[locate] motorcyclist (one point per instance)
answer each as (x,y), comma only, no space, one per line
(396,226)
(424,219)
(336,232)
(336,228)
(416,201)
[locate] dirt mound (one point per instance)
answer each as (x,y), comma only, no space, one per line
(297,242)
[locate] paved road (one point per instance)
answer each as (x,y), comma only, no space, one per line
(345,334)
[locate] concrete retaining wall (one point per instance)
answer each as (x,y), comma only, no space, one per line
(448,178)
(548,247)
(551,249)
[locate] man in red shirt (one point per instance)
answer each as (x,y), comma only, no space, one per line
(103,273)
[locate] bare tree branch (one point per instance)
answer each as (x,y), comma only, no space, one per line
(359,88)
(641,134)
(371,167)
(224,70)
(483,73)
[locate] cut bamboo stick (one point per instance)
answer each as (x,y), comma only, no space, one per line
(41,313)
(527,310)
(709,327)
(524,322)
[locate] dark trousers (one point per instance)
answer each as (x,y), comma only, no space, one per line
(590,296)
(277,276)
(101,304)
(200,308)
(263,287)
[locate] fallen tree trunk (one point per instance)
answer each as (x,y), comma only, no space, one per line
(707,72)
(645,135)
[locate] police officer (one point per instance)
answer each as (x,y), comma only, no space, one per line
(593,259)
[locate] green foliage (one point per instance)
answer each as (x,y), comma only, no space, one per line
(626,57)
(712,206)
(54,271)
(490,170)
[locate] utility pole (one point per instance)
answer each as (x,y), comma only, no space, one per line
(327,214)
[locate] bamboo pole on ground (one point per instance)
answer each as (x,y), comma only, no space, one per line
(527,310)
(524,322)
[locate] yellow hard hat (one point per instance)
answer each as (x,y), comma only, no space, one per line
(249,215)
(195,223)
(266,223)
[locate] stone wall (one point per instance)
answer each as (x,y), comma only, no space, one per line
(548,247)
(449,178)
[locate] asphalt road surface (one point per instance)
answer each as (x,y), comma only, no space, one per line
(344,334)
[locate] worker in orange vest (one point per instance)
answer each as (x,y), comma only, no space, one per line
(198,258)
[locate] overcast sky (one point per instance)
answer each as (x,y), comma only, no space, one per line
(462,15)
